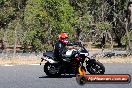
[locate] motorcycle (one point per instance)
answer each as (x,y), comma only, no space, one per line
(73,62)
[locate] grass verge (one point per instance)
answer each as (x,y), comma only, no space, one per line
(36,60)
(115,59)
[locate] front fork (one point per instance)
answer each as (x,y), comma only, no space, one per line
(81,69)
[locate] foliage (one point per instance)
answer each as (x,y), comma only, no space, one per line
(62,14)
(37,23)
(103,26)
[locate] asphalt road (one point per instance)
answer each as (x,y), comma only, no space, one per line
(28,76)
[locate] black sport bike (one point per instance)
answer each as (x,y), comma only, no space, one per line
(73,62)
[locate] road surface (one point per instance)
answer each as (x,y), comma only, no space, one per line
(32,76)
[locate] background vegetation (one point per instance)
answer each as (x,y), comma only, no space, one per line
(35,24)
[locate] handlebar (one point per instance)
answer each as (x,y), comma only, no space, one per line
(75,43)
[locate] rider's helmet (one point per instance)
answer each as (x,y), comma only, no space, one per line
(63,37)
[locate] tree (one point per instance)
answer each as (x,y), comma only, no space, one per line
(129,23)
(62,14)
(41,18)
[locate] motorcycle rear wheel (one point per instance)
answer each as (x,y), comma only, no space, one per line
(52,70)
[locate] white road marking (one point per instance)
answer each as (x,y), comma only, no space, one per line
(7,65)
(34,64)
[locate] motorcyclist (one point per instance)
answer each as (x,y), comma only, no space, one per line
(60,46)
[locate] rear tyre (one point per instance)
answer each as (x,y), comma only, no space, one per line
(52,70)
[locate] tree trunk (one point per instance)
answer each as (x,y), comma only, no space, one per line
(15,42)
(102,12)
(130,12)
(111,40)
(18,26)
(119,42)
(128,37)
(129,22)
(4,42)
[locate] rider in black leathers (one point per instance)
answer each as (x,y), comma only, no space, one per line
(60,46)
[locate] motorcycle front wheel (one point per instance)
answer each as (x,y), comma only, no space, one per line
(96,68)
(52,70)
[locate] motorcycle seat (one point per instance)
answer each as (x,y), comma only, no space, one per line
(49,54)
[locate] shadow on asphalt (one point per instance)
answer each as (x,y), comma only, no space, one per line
(62,76)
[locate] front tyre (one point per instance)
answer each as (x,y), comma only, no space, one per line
(52,70)
(96,68)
